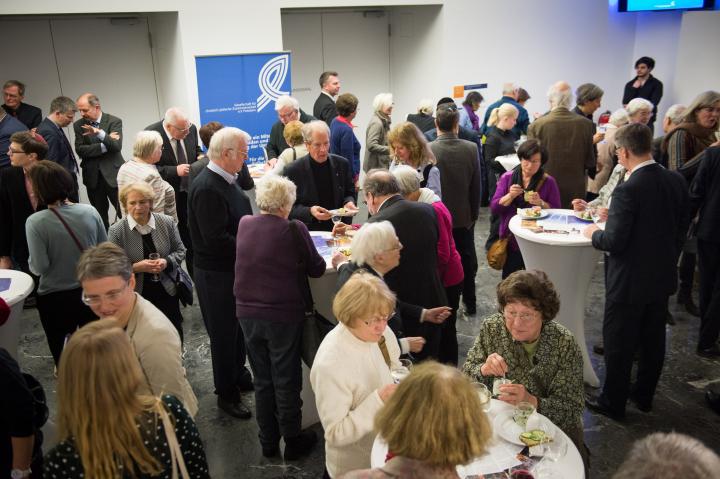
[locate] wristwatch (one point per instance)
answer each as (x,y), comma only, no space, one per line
(20,473)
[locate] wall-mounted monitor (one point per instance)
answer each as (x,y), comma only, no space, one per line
(661,5)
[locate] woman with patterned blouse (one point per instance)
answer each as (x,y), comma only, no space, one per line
(107,429)
(540,356)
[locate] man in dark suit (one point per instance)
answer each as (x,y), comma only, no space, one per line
(648,218)
(98,142)
(416,279)
(180,149)
(324,181)
(324,108)
(62,114)
(215,205)
(13,94)
(288,109)
(459,166)
(8,126)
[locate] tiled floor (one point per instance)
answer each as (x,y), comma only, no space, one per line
(234,452)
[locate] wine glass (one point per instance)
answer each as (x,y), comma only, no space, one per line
(336,220)
(485,396)
(154,256)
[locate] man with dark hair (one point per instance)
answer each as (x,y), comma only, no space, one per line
(98,142)
(324,108)
(460,177)
(13,95)
(62,114)
(644,85)
(648,218)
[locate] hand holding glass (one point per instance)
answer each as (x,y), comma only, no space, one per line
(154,257)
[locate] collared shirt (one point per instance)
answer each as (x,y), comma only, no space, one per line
(381,204)
(174,142)
(101,134)
(229,177)
(643,165)
(142,229)
(328,94)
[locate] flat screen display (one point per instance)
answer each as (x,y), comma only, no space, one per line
(660,5)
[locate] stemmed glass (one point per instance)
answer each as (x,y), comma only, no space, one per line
(154,256)
(552,452)
(336,220)
(485,396)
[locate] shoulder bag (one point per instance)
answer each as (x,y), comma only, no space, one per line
(176,455)
(69,230)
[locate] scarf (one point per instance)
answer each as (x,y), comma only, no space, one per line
(384,118)
(473,117)
(428,196)
(700,138)
(532,186)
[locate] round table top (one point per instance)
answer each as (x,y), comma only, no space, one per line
(501,453)
(21,284)
(558,219)
(325,250)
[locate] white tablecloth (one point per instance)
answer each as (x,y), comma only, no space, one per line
(501,454)
(569,261)
(21,285)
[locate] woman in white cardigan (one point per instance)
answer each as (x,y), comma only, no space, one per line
(351,373)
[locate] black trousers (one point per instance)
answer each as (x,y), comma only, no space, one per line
(274,352)
(514,262)
(154,292)
(74,195)
(448,331)
(181,203)
(686,272)
(101,196)
(227,346)
(61,313)
(628,328)
(709,253)
(465,245)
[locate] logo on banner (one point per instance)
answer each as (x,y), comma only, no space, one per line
(271,77)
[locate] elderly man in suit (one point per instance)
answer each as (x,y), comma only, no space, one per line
(62,114)
(324,181)
(98,142)
(416,279)
(459,166)
(568,139)
(13,94)
(288,109)
(180,149)
(648,218)
(324,108)
(215,205)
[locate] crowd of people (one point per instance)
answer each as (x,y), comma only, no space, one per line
(109,293)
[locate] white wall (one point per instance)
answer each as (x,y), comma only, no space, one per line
(698,64)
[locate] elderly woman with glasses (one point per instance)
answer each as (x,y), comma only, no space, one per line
(523,343)
(152,242)
(351,373)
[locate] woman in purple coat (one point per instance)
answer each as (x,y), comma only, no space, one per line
(525,186)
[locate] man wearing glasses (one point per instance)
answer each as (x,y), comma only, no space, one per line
(180,149)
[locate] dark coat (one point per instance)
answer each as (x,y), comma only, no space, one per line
(422,121)
(94,161)
(28,115)
(59,149)
(705,196)
(167,166)
(15,209)
(276,143)
(324,109)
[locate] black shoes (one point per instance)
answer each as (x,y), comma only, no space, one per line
(599,348)
(711,352)
(470,309)
(300,445)
(596,405)
(235,409)
(642,406)
(246,385)
(713,400)
(270,451)
(685,298)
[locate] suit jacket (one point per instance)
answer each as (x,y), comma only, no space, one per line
(705,196)
(168,161)
(422,121)
(89,149)
(459,166)
(416,280)
(59,149)
(646,228)
(29,115)
(325,109)
(15,209)
(299,172)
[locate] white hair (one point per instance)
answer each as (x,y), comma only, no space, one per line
(560,95)
(509,88)
(274,193)
(637,104)
(676,113)
(285,101)
(382,101)
(174,115)
(619,117)
(426,106)
(407,179)
(370,240)
(225,138)
(309,128)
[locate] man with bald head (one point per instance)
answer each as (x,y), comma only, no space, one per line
(98,143)
(180,149)
(510,94)
(568,139)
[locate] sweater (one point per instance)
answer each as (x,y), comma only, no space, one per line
(498,143)
(343,142)
(136,171)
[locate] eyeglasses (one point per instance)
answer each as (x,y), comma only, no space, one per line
(111,297)
(398,246)
(378,320)
(182,130)
(522,317)
(15,152)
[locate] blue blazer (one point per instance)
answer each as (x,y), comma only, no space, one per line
(59,149)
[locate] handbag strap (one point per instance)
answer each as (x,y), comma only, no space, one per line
(302,267)
(176,456)
(69,230)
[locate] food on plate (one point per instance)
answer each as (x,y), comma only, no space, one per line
(534,437)
(534,212)
(339,211)
(346,251)
(584,215)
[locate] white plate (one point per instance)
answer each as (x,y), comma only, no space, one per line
(346,212)
(507,429)
(521,214)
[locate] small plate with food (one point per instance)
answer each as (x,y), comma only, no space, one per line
(343,212)
(534,213)
(506,427)
(585,215)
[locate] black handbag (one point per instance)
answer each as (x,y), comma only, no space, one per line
(184,286)
(315,326)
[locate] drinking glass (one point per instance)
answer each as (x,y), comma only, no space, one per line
(499,382)
(555,449)
(485,396)
(407,364)
(154,256)
(399,373)
(336,220)
(523,411)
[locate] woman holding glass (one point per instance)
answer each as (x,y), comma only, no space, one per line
(408,146)
(152,242)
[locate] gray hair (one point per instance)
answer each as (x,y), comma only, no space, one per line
(309,128)
(382,101)
(379,182)
(637,104)
(588,92)
(426,106)
(104,261)
(274,193)
(91,98)
(20,86)
(676,113)
(174,115)
(670,456)
(509,88)
(407,179)
(560,95)
(703,100)
(634,137)
(285,101)
(62,104)
(145,143)
(370,240)
(223,139)
(619,117)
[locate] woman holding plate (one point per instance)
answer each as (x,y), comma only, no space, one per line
(525,186)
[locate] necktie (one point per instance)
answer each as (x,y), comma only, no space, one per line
(95,124)
(181,160)
(384,350)
(74,165)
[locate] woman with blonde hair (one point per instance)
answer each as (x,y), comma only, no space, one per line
(108,429)
(377,152)
(408,146)
(432,423)
(296,147)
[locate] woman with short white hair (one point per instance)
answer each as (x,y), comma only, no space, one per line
(271,311)
(640,110)
(377,151)
(606,151)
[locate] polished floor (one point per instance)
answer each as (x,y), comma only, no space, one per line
(233,450)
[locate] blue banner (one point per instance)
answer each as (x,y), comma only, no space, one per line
(240,91)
